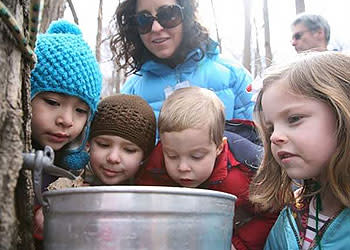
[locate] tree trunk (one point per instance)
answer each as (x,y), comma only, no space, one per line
(299,6)
(15,215)
(99,31)
(247,35)
(52,10)
(257,57)
(268,52)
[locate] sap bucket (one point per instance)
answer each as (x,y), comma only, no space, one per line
(138,218)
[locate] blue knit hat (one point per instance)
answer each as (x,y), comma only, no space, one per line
(66,64)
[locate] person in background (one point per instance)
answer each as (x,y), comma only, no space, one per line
(65,89)
(303,114)
(165,46)
(194,153)
(123,134)
(310,32)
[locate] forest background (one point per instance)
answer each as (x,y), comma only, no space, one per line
(255,32)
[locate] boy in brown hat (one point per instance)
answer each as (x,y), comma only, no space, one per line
(123,134)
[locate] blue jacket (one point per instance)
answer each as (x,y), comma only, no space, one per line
(155,81)
(285,235)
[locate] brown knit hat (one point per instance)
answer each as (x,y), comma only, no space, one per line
(127,116)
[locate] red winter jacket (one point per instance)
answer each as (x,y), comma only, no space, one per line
(228,176)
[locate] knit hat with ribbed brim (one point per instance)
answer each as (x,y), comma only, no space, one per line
(127,116)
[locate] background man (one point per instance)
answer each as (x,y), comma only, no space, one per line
(310,32)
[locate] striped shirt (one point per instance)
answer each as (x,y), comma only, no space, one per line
(310,233)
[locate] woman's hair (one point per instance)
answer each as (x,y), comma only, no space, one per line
(128,49)
(322,76)
(193,107)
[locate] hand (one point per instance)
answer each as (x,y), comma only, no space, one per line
(39,224)
(232,247)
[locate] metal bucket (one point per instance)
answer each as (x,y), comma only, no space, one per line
(138,217)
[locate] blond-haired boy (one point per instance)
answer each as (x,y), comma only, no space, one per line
(193,152)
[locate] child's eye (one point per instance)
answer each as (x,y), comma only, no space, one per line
(51,102)
(197,157)
(102,144)
(294,118)
(170,156)
(130,150)
(82,111)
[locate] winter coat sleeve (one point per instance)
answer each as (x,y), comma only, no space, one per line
(244,105)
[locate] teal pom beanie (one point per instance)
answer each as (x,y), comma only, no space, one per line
(66,65)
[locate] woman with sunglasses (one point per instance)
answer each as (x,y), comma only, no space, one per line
(165,46)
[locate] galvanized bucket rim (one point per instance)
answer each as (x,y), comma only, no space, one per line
(142,189)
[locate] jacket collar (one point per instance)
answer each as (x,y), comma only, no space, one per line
(223,163)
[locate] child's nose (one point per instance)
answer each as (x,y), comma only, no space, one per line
(113,156)
(65,118)
(184,166)
(278,138)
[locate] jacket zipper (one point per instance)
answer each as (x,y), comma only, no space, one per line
(294,230)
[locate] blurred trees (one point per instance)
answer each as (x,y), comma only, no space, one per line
(299,6)
(51,10)
(247,34)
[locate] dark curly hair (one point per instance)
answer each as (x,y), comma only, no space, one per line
(128,49)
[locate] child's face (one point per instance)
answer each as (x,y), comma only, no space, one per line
(57,119)
(189,155)
(303,131)
(113,159)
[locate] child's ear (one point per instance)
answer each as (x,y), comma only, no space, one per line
(221,146)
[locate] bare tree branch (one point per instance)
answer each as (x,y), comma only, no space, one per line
(71,6)
(216,26)
(99,31)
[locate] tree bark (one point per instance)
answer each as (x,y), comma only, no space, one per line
(15,232)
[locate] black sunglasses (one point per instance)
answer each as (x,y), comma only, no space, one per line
(299,34)
(168,17)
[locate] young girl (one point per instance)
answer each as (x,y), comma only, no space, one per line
(303,111)
(165,45)
(123,134)
(65,89)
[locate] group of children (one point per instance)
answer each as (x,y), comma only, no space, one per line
(302,113)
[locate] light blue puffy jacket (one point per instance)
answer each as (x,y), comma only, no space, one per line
(228,79)
(285,235)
